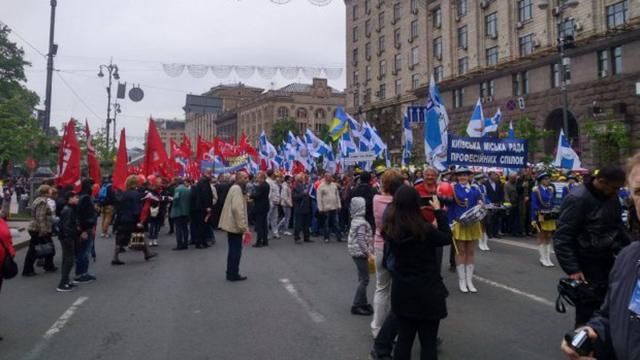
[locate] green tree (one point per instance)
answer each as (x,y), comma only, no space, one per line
(20,134)
(610,140)
(281,129)
(524,128)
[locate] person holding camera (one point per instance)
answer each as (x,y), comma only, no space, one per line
(616,326)
(590,233)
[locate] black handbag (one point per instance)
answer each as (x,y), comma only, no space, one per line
(576,292)
(44,250)
(9,266)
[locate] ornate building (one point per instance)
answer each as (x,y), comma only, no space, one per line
(506,53)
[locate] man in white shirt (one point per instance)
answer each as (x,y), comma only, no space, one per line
(274,202)
(328,204)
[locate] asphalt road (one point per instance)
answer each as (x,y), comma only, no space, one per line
(295,305)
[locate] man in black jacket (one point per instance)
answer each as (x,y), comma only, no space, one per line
(261,207)
(302,209)
(495,194)
(615,328)
(366,191)
(590,233)
(68,237)
(201,205)
(87,219)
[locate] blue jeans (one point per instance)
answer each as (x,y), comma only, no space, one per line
(83,252)
(154,229)
(330,224)
(234,254)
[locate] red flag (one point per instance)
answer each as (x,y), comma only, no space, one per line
(225,149)
(120,169)
(176,151)
(92,160)
(246,148)
(185,146)
(204,147)
(155,155)
(69,157)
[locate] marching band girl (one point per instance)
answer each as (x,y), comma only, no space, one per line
(541,204)
(465,236)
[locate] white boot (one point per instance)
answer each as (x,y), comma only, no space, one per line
(486,242)
(548,255)
(462,280)
(469,269)
(481,242)
(542,250)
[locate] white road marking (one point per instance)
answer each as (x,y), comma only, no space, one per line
(64,318)
(533,297)
(315,316)
(517,244)
(54,329)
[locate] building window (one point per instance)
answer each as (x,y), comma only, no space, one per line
(396,12)
(461,8)
(487,89)
(301,113)
(415,56)
(415,81)
(382,68)
(463,65)
(458,97)
(414,29)
(616,56)
(320,114)
(617,14)
(438,73)
(398,87)
(354,14)
(555,75)
(396,38)
(567,71)
(603,63)
(462,37)
(566,29)
(355,33)
(491,25)
(525,10)
(355,55)
(367,6)
(283,113)
(492,56)
(526,45)
(367,96)
(367,51)
(382,92)
(436,18)
(520,83)
(381,44)
(397,62)
(356,99)
(367,73)
(381,20)
(367,28)
(355,77)
(414,6)
(437,48)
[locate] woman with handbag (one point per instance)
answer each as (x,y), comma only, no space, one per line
(465,236)
(40,229)
(541,204)
(129,224)
(8,268)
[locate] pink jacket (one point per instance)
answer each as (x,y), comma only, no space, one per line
(380,203)
(5,238)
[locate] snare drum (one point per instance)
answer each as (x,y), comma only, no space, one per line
(473,215)
(552,214)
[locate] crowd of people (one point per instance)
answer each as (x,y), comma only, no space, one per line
(394,221)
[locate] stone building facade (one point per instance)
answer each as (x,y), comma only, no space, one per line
(170,130)
(506,54)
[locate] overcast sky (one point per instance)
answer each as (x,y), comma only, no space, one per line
(141,35)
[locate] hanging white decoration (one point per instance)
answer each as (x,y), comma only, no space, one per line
(311,72)
(173,70)
(245,72)
(221,71)
(197,71)
(289,72)
(267,72)
(320,2)
(333,73)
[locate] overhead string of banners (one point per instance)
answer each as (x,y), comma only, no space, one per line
(247,71)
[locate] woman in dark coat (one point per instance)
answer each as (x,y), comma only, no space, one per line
(418,294)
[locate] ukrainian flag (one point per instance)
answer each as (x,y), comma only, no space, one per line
(339,124)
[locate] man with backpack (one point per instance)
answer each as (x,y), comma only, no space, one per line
(106,199)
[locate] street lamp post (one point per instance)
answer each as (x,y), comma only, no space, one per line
(112,70)
(563,5)
(53,48)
